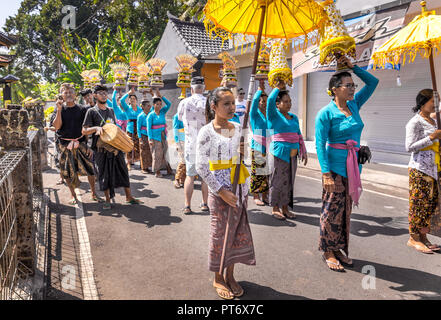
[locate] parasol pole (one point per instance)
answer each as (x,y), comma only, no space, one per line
(436,100)
(262,6)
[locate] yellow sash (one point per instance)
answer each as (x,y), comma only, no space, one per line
(435,148)
(181,130)
(231,164)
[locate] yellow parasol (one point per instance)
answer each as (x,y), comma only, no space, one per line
(277,19)
(421,36)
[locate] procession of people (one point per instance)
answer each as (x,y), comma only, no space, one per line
(209,130)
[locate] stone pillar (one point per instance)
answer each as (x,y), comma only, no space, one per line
(36,119)
(14,125)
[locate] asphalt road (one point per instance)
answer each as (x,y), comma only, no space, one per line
(153,251)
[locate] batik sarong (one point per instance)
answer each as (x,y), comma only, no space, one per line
(240,247)
(335,216)
(423,200)
(159,153)
(259,173)
(145,153)
(282,179)
(75,162)
(133,156)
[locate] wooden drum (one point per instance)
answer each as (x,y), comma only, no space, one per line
(117,138)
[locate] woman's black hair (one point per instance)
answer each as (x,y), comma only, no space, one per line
(281,95)
(156,99)
(336,80)
(214,98)
(133,95)
(422,98)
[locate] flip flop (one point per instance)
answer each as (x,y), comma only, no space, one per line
(107,206)
(259,202)
(433,247)
(289,215)
(73,201)
(134,201)
(237,294)
(341,257)
(278,216)
(176,184)
(224,293)
(328,262)
(420,248)
(97,199)
(187,210)
(204,207)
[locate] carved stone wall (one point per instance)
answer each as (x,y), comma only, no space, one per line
(14,125)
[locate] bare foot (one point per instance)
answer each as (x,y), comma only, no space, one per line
(343,258)
(277,214)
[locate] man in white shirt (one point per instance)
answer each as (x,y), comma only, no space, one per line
(191,111)
(241,105)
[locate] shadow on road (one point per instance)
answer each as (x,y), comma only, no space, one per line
(410,281)
(358,227)
(255,291)
(151,217)
(257,216)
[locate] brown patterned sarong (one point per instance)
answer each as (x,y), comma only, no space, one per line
(145,153)
(181,171)
(74,163)
(423,201)
(259,173)
(335,217)
(282,179)
(133,156)
(240,247)
(159,154)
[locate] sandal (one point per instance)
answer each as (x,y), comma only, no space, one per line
(73,201)
(329,262)
(107,206)
(259,202)
(224,293)
(177,184)
(278,216)
(289,215)
(59,182)
(420,247)
(343,259)
(134,201)
(97,199)
(238,293)
(204,207)
(433,247)
(187,210)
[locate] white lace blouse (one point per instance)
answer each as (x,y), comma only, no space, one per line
(212,146)
(417,138)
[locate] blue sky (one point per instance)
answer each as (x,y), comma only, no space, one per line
(9,8)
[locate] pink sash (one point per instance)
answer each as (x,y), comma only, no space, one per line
(161,126)
(291,137)
(122,124)
(352,169)
(260,139)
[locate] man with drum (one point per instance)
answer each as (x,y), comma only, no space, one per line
(109,161)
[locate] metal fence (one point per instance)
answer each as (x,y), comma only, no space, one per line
(14,275)
(8,225)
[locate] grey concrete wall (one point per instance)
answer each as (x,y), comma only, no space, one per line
(170,46)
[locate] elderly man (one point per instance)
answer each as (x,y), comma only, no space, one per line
(75,156)
(191,111)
